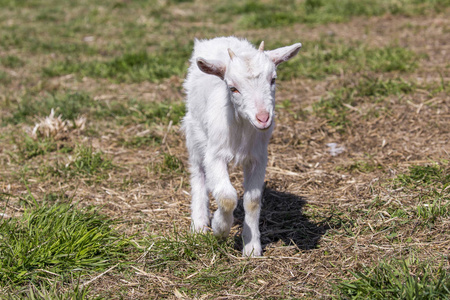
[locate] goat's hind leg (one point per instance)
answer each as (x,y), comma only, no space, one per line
(200,199)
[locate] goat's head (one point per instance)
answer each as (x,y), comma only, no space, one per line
(250,79)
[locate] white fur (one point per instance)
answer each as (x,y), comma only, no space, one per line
(223,125)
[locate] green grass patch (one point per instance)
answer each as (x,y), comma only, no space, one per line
(69,105)
(140,141)
(377,87)
(268,18)
(85,162)
(435,209)
(134,111)
(332,108)
(389,59)
(425,175)
(336,106)
(34,37)
(330,56)
(362,166)
(184,254)
(129,67)
(170,165)
(58,239)
(427,192)
(8,38)
(429,184)
(397,280)
(168,251)
(4,77)
(88,162)
(215,277)
(256,14)
(11,61)
(29,148)
(49,292)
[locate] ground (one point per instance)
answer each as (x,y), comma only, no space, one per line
(95,204)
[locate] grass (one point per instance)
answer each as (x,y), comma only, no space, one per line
(331,56)
(11,61)
(397,279)
(38,41)
(83,162)
(4,77)
(333,109)
(374,80)
(169,165)
(59,240)
(430,183)
(132,61)
(180,247)
(29,148)
(337,106)
(140,141)
(377,87)
(184,255)
(139,112)
(254,14)
(129,67)
(327,56)
(71,105)
(425,175)
(43,292)
(88,162)
(362,166)
(433,211)
(390,59)
(419,197)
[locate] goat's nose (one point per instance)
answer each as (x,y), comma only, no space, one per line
(262,116)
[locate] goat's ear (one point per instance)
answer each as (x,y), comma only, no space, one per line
(283,54)
(213,67)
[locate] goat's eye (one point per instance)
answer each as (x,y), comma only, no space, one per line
(234,90)
(273,81)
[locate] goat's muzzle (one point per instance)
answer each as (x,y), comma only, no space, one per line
(263,120)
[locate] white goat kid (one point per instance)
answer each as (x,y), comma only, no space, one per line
(230,104)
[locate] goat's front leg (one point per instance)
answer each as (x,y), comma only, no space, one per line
(253,190)
(219,183)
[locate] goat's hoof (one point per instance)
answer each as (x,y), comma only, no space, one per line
(221,224)
(220,230)
(252,250)
(200,227)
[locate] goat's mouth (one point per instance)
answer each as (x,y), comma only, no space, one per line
(262,126)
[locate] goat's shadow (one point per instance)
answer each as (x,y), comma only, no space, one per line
(282,219)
